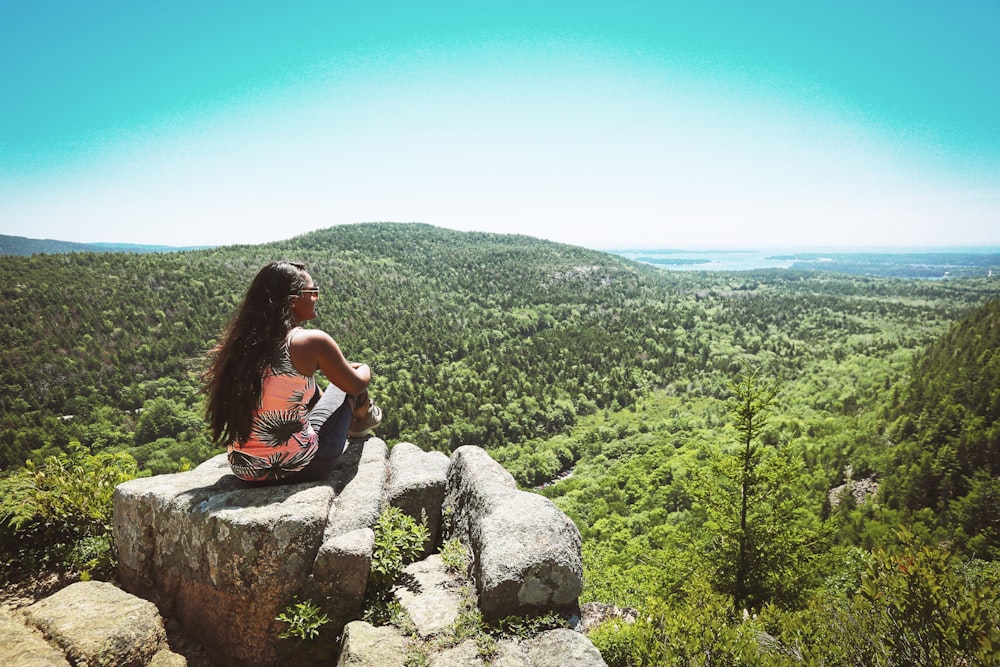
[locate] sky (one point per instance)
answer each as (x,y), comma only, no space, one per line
(619,124)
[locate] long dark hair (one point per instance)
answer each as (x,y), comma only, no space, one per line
(246,349)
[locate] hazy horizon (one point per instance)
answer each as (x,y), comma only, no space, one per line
(683,125)
(858,249)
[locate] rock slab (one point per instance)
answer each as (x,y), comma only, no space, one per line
(226,558)
(368,646)
(526,553)
(22,646)
(96,623)
(430,595)
(416,485)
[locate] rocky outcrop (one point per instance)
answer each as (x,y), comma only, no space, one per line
(225,558)
(430,596)
(90,623)
(416,485)
(526,553)
(25,646)
(368,646)
(434,599)
(859,491)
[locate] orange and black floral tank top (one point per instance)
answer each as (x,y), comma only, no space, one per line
(281,440)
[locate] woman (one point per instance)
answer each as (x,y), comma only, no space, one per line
(263,402)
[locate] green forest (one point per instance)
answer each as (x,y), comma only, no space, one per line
(767,467)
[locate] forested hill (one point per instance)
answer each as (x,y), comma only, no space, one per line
(467,335)
(614,387)
(474,338)
(947,423)
(19,245)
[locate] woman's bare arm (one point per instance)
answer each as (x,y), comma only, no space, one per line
(312,349)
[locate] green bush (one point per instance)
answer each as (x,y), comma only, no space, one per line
(303,621)
(924,611)
(697,629)
(455,557)
(915,606)
(399,539)
(57,515)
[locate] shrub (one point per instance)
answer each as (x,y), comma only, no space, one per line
(924,611)
(455,557)
(399,539)
(916,606)
(697,629)
(303,621)
(57,514)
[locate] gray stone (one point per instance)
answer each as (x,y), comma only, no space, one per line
(368,646)
(95,623)
(359,486)
(510,654)
(593,614)
(526,553)
(22,646)
(465,654)
(417,481)
(167,658)
(340,574)
(559,648)
(226,558)
(430,595)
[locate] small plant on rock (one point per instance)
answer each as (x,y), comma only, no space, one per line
(455,557)
(303,620)
(399,539)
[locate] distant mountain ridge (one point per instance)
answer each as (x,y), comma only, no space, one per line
(20,245)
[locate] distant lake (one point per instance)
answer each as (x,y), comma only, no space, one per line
(900,262)
(707,260)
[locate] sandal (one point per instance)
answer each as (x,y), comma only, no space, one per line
(361,426)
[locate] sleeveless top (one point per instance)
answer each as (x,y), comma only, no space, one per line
(282,441)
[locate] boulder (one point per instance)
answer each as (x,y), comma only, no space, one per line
(526,553)
(226,558)
(167,658)
(368,646)
(340,573)
(466,654)
(430,595)
(416,486)
(558,648)
(96,623)
(23,646)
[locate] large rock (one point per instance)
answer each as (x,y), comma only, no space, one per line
(96,623)
(340,574)
(417,481)
(526,553)
(558,648)
(430,595)
(368,646)
(23,646)
(226,558)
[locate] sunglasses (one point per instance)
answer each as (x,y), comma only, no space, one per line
(311,290)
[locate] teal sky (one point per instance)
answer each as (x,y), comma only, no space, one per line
(604,124)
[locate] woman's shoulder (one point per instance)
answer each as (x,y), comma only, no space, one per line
(308,347)
(300,336)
